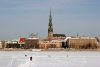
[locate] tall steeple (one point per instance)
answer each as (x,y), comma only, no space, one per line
(50,18)
(50,29)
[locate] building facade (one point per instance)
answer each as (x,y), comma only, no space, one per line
(3,44)
(82,43)
(0,44)
(21,42)
(11,44)
(50,44)
(32,43)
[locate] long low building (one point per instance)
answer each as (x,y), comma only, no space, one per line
(50,44)
(82,43)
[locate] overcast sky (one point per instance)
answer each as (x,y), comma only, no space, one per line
(19,18)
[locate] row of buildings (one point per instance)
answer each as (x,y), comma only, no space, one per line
(58,42)
(52,41)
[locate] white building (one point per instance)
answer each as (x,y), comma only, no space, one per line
(0,44)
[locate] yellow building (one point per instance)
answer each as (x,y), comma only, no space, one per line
(85,43)
(47,44)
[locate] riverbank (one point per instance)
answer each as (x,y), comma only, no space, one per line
(15,49)
(51,50)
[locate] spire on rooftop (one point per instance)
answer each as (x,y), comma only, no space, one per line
(50,18)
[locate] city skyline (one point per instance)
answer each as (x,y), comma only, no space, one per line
(69,17)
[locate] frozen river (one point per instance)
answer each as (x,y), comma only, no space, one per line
(57,59)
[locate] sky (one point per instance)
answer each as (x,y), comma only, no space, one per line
(19,18)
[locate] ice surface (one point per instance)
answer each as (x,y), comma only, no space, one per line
(56,59)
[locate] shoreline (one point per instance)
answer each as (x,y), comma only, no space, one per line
(73,50)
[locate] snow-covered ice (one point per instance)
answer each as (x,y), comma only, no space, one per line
(42,59)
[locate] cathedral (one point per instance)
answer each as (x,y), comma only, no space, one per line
(52,36)
(53,40)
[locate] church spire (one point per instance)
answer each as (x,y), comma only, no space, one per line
(50,29)
(50,18)
(50,10)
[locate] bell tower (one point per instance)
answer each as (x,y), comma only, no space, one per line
(50,29)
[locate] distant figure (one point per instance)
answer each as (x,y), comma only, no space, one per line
(67,55)
(31,58)
(25,55)
(49,56)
